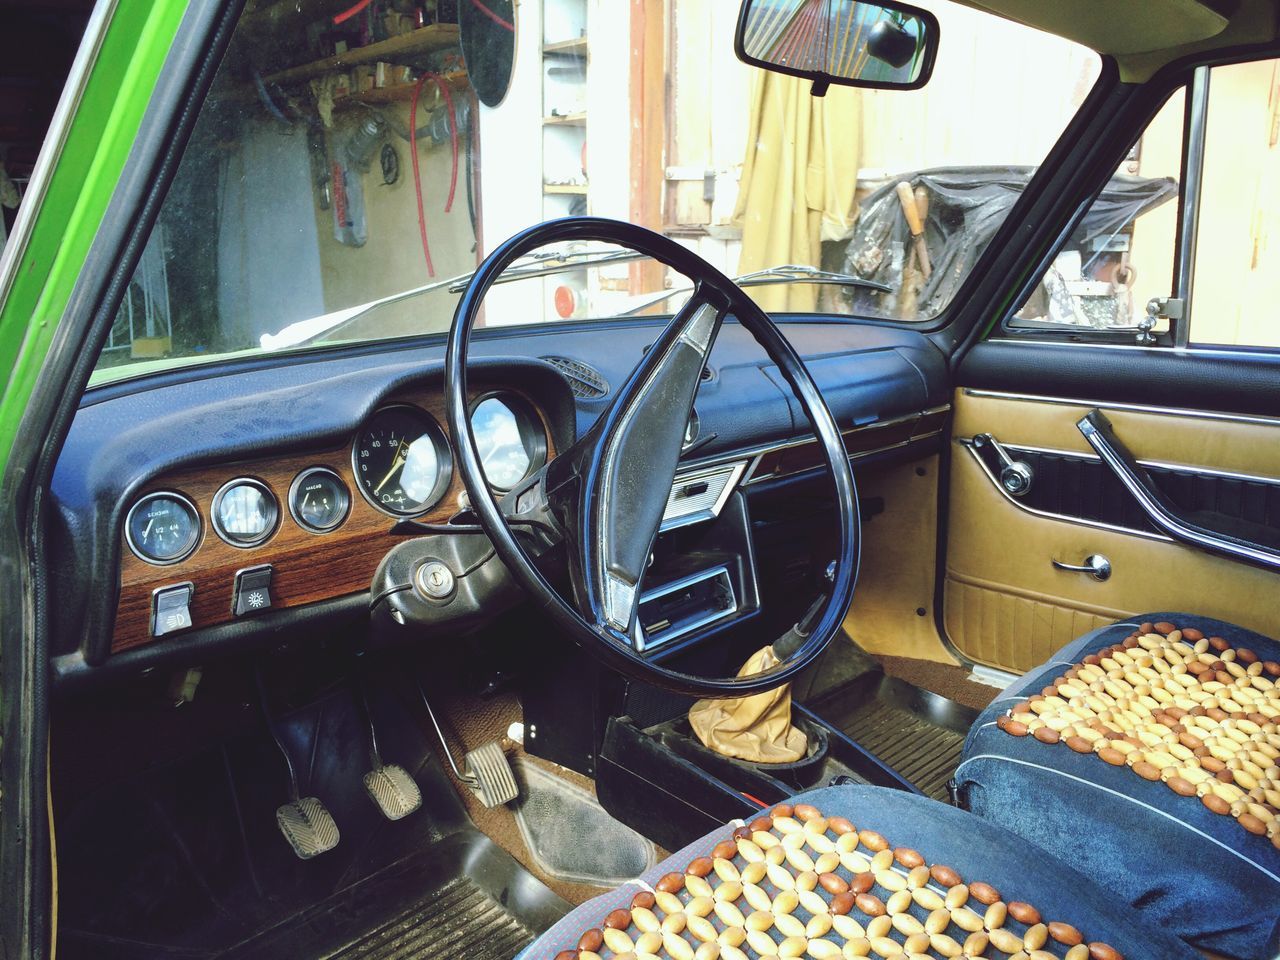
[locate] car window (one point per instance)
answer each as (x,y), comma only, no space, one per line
(1121,255)
(348,170)
(1236,280)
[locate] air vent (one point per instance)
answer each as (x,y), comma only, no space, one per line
(700,494)
(585,381)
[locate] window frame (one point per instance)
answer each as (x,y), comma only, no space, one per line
(1195,77)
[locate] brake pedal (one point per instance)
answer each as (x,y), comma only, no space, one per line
(488,773)
(393,790)
(308,826)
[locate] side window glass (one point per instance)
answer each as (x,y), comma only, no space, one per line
(1122,253)
(1236,279)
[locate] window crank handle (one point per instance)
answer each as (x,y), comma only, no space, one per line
(1096,565)
(1015,475)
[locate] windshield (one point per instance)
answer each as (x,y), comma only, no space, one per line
(354,163)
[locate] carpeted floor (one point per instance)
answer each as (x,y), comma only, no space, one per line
(943,679)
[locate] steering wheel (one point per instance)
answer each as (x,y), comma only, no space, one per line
(604,496)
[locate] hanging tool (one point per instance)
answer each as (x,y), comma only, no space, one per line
(915,223)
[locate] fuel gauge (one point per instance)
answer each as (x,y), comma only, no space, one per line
(319,500)
(162,528)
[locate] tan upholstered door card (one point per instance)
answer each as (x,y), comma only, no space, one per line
(1006,605)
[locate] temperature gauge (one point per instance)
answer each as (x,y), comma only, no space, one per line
(163,528)
(319,500)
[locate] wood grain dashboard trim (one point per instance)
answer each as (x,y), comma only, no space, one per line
(309,567)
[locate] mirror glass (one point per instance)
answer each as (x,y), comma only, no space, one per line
(840,41)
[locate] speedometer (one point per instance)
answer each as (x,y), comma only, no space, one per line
(401,461)
(509,439)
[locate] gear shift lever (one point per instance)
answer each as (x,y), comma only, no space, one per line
(758,728)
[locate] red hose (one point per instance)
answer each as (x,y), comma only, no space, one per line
(417,174)
(505,24)
(443,87)
(350,12)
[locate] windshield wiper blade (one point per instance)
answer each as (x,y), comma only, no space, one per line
(537,264)
(784,273)
(800,273)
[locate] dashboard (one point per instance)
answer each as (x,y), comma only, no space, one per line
(203,511)
(209,545)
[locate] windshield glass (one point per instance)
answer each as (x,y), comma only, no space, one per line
(348,171)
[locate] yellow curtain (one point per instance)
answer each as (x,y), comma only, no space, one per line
(798,180)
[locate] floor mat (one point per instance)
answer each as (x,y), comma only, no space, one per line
(944,679)
(571,836)
(914,731)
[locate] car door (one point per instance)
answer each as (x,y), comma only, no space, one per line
(1110,458)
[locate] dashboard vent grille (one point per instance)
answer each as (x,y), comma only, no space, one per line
(585,381)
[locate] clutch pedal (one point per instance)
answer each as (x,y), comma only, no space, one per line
(393,790)
(308,826)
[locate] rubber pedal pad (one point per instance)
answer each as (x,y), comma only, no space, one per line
(489,775)
(395,792)
(308,826)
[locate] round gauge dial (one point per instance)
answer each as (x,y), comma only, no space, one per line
(319,500)
(163,528)
(508,439)
(245,513)
(401,461)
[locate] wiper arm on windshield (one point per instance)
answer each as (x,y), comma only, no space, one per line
(783,273)
(537,264)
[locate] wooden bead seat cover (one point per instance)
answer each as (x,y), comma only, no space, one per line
(1146,753)
(854,871)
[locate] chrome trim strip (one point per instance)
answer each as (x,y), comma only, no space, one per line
(1137,407)
(853,457)
(1157,464)
(763,448)
(1173,351)
(1046,515)
(54,141)
(710,617)
(1161,516)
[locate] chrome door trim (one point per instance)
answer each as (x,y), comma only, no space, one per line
(1136,407)
(1194,351)
(1161,516)
(1157,464)
(1047,515)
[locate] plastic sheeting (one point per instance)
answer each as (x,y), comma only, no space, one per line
(967,205)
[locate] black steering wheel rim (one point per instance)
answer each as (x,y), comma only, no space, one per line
(720,291)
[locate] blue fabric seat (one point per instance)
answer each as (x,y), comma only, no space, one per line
(1187,870)
(974,848)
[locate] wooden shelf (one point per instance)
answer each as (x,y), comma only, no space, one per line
(408,45)
(571,189)
(568,120)
(575,47)
(400,92)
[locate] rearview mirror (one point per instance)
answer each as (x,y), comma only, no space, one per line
(883,45)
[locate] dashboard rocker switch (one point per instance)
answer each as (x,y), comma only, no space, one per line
(171,609)
(252,593)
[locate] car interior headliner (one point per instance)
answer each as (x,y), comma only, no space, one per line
(1144,35)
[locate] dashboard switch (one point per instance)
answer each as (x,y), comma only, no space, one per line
(252,590)
(171,609)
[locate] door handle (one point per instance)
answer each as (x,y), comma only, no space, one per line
(1096,565)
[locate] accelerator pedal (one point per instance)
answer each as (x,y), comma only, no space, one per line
(308,826)
(488,773)
(393,790)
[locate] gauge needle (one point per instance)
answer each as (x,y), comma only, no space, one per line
(401,455)
(146,531)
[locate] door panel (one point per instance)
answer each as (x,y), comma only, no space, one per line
(1007,606)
